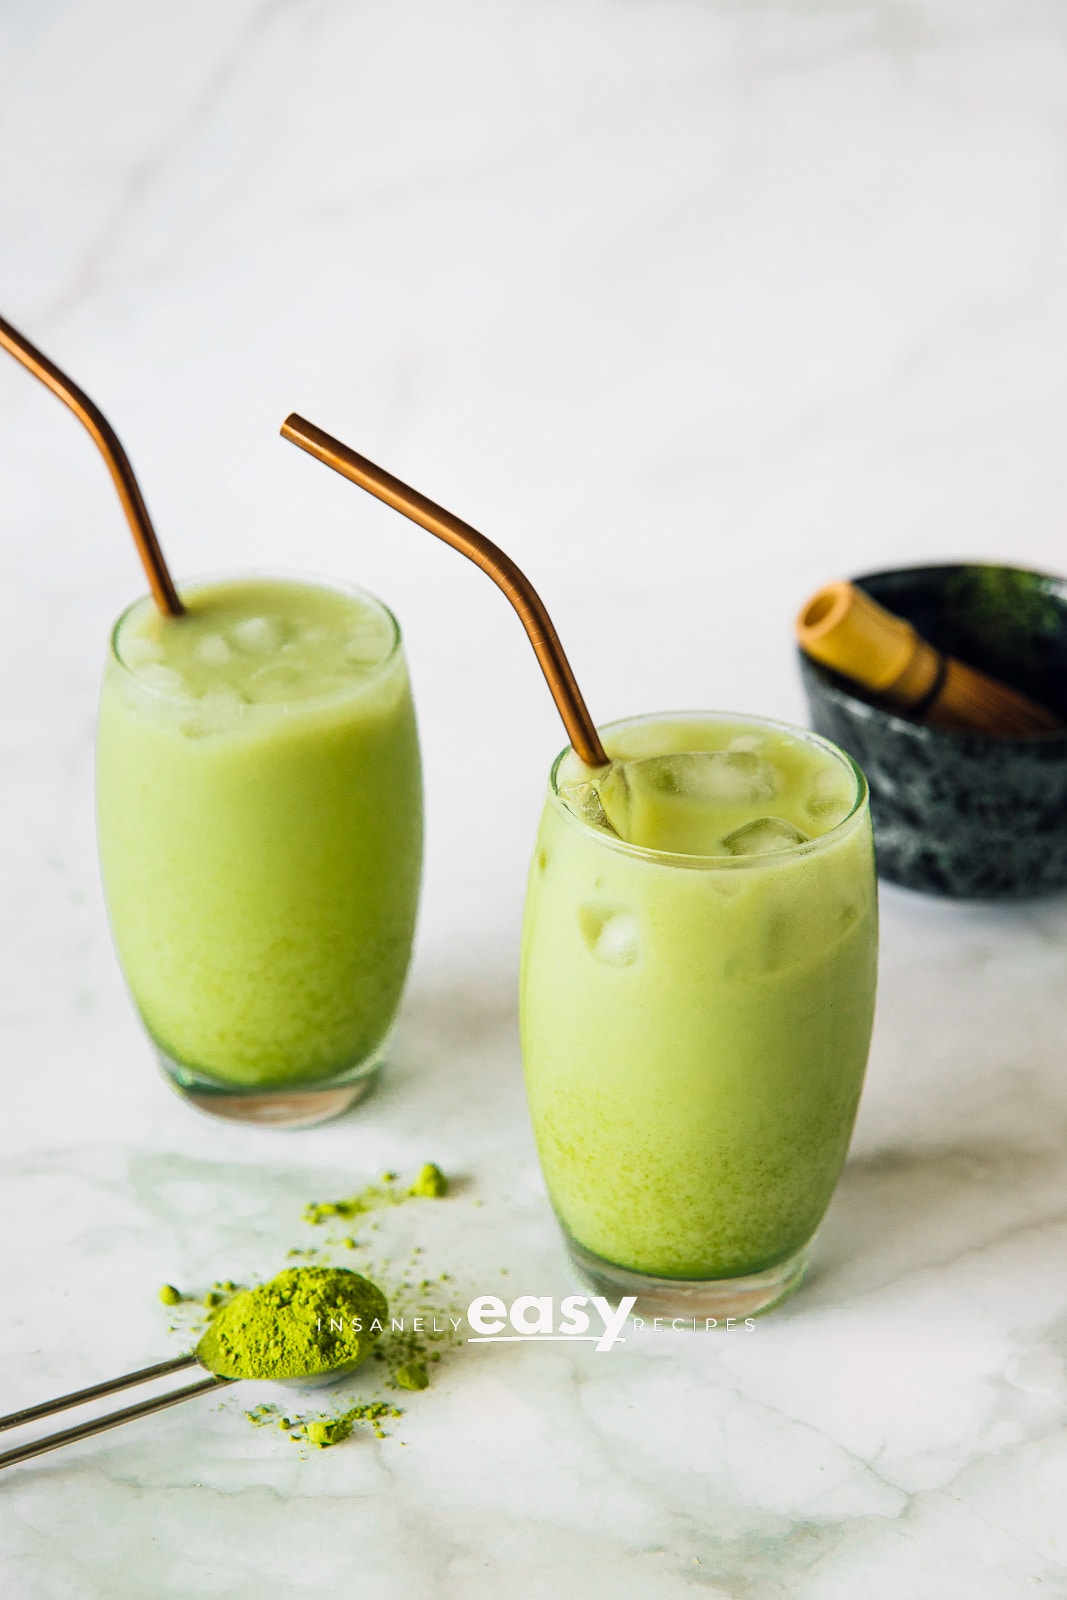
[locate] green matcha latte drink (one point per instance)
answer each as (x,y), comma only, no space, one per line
(698,982)
(260,824)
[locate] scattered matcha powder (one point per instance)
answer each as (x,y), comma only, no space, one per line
(325,1431)
(430,1184)
(266,1332)
(321,1432)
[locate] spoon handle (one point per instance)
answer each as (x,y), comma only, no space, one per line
(55,1441)
(96,1391)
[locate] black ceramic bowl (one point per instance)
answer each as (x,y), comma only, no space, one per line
(964,814)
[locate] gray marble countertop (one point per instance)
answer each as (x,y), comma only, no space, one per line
(693,307)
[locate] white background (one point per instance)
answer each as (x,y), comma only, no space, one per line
(691,306)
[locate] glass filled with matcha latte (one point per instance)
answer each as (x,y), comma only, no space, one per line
(259,814)
(697,995)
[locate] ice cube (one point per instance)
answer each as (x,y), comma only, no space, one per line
(137,652)
(829,810)
(747,742)
(602,801)
(222,705)
(274,680)
(830,796)
(216,712)
(165,679)
(710,777)
(764,837)
(585,802)
(213,650)
(611,934)
(367,643)
(619,943)
(258,633)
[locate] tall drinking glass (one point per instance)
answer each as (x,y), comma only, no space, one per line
(259,809)
(696,1005)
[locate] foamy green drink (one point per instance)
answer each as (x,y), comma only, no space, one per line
(698,981)
(260,827)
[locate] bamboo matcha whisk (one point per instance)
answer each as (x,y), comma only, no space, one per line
(844,629)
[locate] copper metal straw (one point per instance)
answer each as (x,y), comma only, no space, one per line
(580,727)
(107,442)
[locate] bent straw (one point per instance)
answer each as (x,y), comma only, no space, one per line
(462,537)
(107,442)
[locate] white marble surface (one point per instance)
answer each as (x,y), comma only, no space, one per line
(692,305)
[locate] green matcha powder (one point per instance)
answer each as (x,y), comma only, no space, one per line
(312,1321)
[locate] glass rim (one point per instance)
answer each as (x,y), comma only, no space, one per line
(339,586)
(670,858)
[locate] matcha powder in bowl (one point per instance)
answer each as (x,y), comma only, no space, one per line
(308,1322)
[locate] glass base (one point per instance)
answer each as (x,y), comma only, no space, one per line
(297,1105)
(692,1298)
